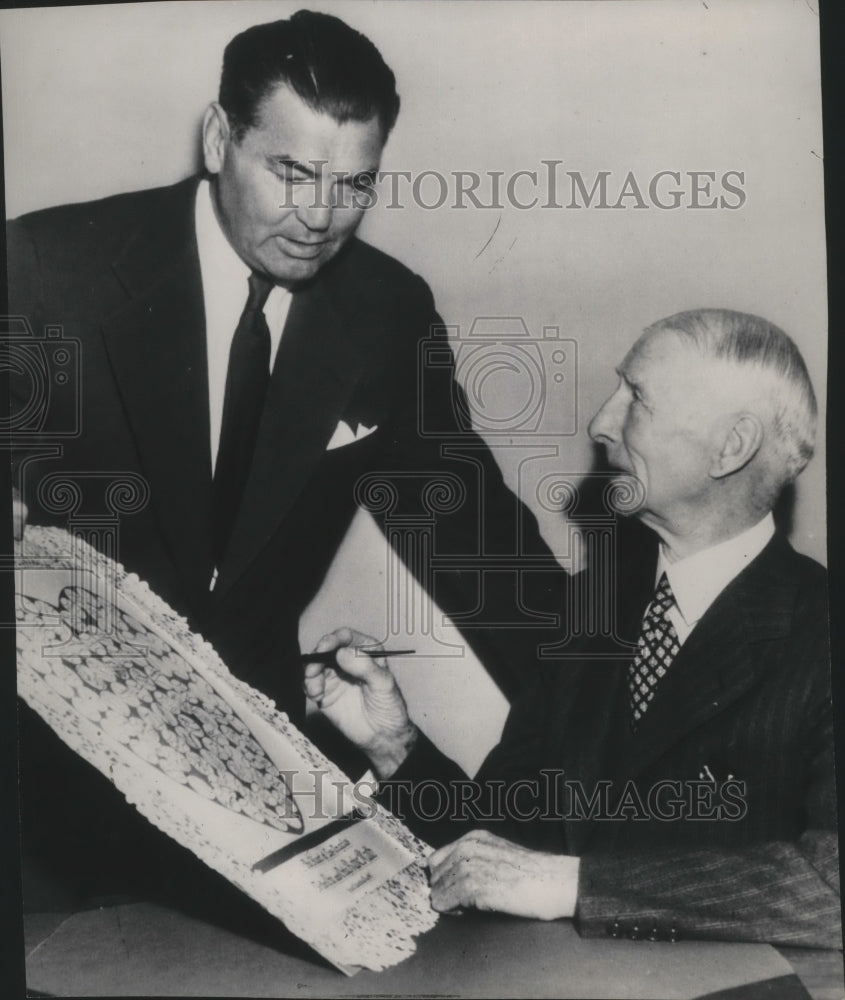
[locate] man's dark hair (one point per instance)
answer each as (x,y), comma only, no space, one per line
(330,66)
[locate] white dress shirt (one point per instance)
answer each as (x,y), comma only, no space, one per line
(224,290)
(698,580)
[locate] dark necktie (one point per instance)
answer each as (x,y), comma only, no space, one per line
(657,646)
(246,386)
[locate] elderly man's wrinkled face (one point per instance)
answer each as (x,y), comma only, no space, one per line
(285,192)
(659,424)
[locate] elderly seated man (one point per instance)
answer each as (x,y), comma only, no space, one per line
(688,791)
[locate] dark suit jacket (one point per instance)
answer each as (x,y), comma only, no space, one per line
(749,697)
(121,277)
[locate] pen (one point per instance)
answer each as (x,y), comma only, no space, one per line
(329,656)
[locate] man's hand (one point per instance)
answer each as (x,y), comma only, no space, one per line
(360,696)
(19,514)
(491,873)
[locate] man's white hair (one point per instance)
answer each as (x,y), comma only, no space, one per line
(752,344)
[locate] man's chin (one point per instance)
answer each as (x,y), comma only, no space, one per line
(293,271)
(298,265)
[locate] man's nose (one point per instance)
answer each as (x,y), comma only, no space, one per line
(604,427)
(315,215)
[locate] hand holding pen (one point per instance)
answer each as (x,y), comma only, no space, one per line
(359,694)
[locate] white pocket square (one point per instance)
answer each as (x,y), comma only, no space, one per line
(343,435)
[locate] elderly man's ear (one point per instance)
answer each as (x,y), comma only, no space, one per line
(740,444)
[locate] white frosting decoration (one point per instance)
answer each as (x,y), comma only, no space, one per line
(125,683)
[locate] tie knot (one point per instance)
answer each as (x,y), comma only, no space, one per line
(663,597)
(259,290)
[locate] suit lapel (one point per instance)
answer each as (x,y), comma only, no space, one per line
(595,734)
(316,369)
(723,657)
(156,346)
(157,349)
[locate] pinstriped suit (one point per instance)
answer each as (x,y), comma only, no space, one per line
(747,696)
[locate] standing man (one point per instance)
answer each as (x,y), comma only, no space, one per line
(247,357)
(688,792)
(252,442)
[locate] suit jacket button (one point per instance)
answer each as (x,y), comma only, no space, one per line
(634,933)
(654,933)
(674,935)
(613,929)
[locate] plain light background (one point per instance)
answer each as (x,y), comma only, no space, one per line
(98,100)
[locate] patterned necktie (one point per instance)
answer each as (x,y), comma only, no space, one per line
(246,386)
(657,646)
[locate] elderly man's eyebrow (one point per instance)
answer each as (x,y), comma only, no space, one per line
(631,381)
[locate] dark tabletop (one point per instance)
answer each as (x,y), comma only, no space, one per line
(144,949)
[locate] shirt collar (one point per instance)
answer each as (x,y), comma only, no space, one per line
(217,258)
(699,579)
